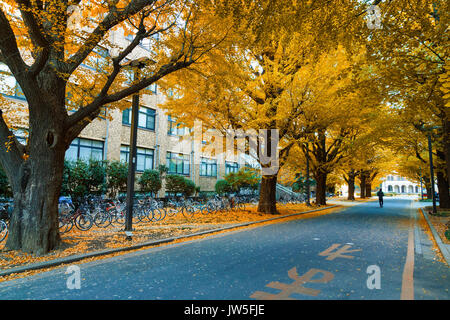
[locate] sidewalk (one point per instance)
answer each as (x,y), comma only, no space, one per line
(442,243)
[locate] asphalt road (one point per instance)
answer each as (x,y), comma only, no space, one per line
(360,252)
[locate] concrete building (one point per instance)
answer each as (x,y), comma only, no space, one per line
(394,183)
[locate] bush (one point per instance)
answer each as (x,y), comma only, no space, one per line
(175,183)
(178,184)
(189,187)
(150,181)
(116,177)
(244,178)
(222,187)
(82,178)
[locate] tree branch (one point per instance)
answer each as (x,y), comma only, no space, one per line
(9,51)
(113,18)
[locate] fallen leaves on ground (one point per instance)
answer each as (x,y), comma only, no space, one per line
(78,242)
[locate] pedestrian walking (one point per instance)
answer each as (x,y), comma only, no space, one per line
(380,195)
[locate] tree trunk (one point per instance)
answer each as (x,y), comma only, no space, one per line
(37,181)
(351,185)
(362,185)
(351,189)
(34,221)
(444,197)
(368,192)
(267,195)
(446,127)
(321,187)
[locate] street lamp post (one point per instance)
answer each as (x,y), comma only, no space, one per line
(308,187)
(430,152)
(136,65)
(421,186)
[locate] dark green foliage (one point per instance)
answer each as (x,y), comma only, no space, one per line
(178,184)
(150,181)
(116,177)
(222,187)
(189,187)
(245,178)
(82,178)
(300,183)
(174,183)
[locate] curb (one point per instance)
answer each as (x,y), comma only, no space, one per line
(442,246)
(70,259)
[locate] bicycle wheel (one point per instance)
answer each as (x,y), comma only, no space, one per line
(157,215)
(118,219)
(65,224)
(140,215)
(3,230)
(240,206)
(187,211)
(102,219)
(171,211)
(83,222)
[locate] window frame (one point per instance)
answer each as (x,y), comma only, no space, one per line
(231,166)
(150,113)
(140,152)
(78,143)
(181,160)
(208,167)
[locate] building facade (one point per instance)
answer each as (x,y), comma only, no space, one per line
(393,183)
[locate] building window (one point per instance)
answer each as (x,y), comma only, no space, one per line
(175,129)
(97,60)
(126,116)
(231,167)
(146,118)
(144,157)
(389,188)
(145,43)
(178,163)
(153,88)
(85,149)
(417,189)
(208,167)
(8,84)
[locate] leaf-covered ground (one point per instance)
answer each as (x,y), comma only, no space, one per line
(78,242)
(440,222)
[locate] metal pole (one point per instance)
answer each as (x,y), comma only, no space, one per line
(308,188)
(430,152)
(421,186)
(132,166)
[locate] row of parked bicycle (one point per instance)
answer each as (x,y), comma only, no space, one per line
(103,213)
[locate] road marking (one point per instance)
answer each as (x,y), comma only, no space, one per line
(338,253)
(408,271)
(296,286)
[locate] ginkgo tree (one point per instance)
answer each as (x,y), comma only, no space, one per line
(262,78)
(413,50)
(46,46)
